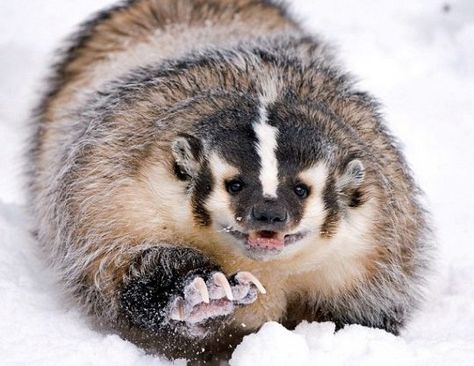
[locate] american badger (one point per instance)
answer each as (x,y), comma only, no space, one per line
(200,167)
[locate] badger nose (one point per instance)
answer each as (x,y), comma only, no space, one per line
(269,215)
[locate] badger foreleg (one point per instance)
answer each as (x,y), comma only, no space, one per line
(180,289)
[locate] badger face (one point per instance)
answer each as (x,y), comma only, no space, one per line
(267,178)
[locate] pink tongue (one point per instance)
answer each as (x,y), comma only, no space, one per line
(270,243)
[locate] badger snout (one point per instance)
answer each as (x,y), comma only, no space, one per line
(267,220)
(268,216)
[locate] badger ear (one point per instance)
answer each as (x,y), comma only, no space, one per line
(349,182)
(187,152)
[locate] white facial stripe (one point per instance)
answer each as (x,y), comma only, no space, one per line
(266,149)
(314,213)
(220,168)
(218,203)
(315,176)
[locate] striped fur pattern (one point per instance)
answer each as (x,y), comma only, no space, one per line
(154,107)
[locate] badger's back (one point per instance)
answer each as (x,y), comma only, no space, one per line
(143,32)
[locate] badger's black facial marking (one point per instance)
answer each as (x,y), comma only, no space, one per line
(331,204)
(357,199)
(180,173)
(201,190)
(301,144)
(235,138)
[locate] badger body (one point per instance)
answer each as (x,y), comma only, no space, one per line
(201,167)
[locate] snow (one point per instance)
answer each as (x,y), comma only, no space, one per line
(317,344)
(417,57)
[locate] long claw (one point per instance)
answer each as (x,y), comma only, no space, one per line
(178,310)
(222,282)
(201,287)
(248,277)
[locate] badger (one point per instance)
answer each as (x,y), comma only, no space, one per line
(201,167)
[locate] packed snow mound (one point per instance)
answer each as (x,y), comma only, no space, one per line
(319,344)
(417,57)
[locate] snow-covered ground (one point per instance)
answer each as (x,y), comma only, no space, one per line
(416,56)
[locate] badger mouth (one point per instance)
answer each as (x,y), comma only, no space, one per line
(266,240)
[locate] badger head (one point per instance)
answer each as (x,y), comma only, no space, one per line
(268,179)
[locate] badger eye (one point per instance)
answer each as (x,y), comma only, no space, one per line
(234,186)
(301,190)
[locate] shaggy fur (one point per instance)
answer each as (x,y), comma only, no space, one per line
(151,107)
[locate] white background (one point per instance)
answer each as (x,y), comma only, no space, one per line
(417,58)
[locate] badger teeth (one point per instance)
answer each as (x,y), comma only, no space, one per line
(250,278)
(221,281)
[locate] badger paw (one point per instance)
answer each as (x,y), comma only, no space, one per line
(218,296)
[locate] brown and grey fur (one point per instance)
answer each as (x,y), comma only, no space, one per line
(108,198)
